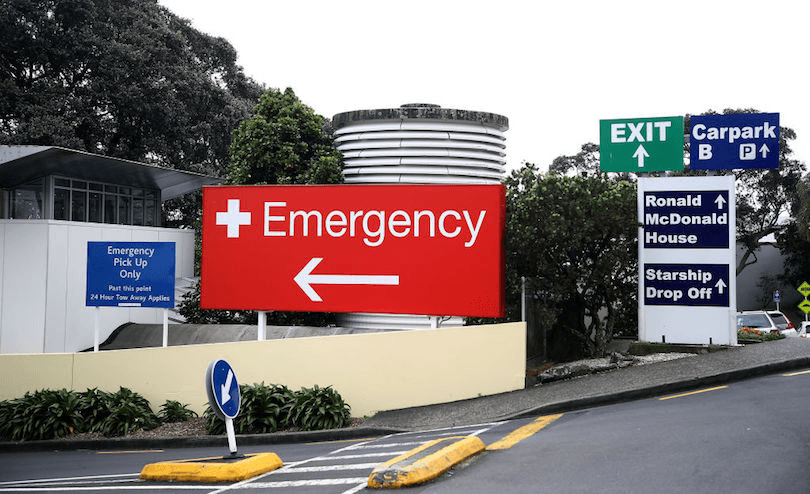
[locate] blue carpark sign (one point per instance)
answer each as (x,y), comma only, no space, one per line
(686,284)
(686,219)
(734,141)
(130,274)
(222,389)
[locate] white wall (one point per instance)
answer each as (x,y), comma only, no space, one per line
(43,276)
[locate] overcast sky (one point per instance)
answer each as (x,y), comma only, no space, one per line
(554,69)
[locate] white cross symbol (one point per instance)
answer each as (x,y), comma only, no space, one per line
(233,218)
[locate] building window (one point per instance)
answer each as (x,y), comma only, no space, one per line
(80,200)
(27,200)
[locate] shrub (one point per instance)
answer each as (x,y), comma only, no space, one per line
(94,406)
(319,408)
(45,414)
(129,412)
(263,409)
(752,334)
(271,408)
(174,411)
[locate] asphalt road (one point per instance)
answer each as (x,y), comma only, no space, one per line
(747,437)
(323,467)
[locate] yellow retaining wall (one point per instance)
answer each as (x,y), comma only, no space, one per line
(373,372)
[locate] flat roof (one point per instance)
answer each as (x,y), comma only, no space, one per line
(21,164)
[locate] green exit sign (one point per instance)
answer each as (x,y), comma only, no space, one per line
(641,144)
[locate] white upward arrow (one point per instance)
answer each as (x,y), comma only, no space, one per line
(305,279)
(720,285)
(225,388)
(764,150)
(640,153)
(720,201)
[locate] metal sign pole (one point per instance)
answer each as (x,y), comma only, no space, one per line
(165,328)
(96,325)
(231,435)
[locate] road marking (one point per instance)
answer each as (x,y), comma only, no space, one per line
(354,457)
(70,479)
(332,468)
(796,373)
(388,445)
(305,483)
(129,451)
(692,393)
(109,488)
(522,433)
(346,440)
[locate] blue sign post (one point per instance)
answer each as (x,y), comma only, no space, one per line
(693,285)
(686,219)
(130,274)
(734,141)
(223,396)
(687,289)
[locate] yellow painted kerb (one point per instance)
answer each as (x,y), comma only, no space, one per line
(211,470)
(400,472)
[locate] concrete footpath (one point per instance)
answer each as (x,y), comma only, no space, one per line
(624,384)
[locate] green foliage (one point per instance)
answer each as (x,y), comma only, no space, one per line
(173,411)
(765,198)
(189,308)
(319,408)
(574,237)
(284,142)
(51,414)
(128,412)
(45,414)
(275,407)
(754,335)
(263,409)
(94,406)
(124,79)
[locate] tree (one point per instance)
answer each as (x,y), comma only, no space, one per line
(765,198)
(119,78)
(284,142)
(576,238)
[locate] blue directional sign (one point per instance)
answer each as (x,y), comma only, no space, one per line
(130,274)
(734,141)
(222,389)
(686,219)
(686,284)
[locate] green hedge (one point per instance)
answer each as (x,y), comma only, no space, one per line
(49,414)
(269,408)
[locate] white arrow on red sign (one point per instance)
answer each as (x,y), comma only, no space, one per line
(305,279)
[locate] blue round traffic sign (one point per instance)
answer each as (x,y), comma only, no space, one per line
(222,389)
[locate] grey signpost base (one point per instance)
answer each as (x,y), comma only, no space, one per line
(231,437)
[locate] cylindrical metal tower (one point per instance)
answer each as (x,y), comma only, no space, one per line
(418,144)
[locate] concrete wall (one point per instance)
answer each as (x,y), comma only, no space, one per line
(373,372)
(43,276)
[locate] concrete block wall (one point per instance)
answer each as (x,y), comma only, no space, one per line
(373,372)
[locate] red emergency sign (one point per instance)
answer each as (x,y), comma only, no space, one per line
(399,249)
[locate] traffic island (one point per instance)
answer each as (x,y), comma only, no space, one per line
(425,462)
(215,469)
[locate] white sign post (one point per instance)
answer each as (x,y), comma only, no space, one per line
(687,257)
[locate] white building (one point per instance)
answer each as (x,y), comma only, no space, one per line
(52,202)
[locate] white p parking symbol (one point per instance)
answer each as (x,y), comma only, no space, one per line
(748,151)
